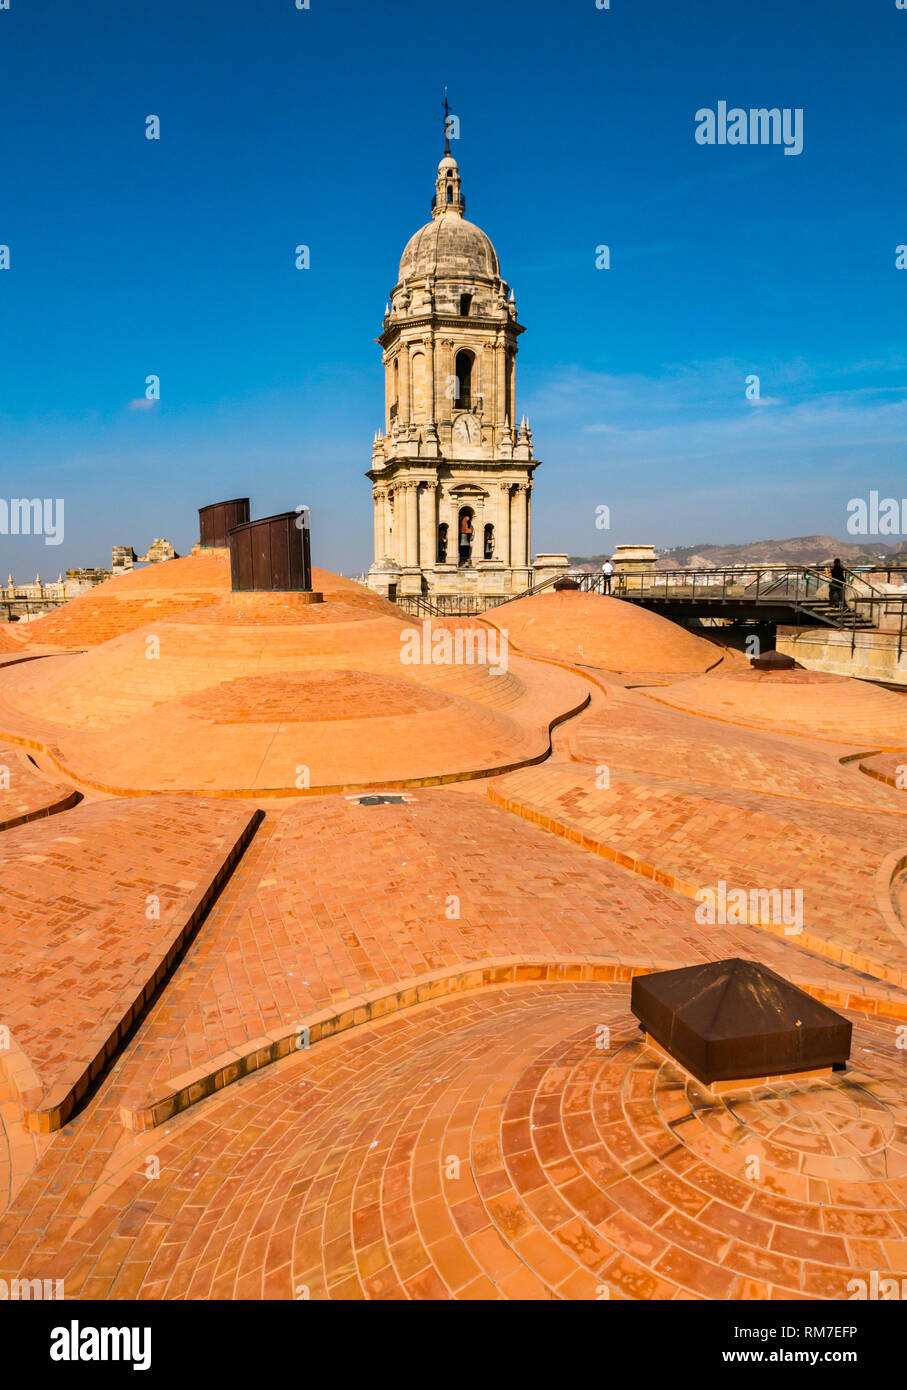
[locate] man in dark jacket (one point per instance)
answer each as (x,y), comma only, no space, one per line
(836,583)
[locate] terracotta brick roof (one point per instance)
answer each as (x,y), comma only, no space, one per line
(386,1051)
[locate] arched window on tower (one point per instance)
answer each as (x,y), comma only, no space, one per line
(508,386)
(442,543)
(449,193)
(489,542)
(463,369)
(465,535)
(395,389)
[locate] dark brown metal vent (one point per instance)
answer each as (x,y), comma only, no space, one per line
(271,554)
(216,521)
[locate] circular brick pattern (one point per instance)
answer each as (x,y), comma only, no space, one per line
(814,1127)
(313,695)
(514,1143)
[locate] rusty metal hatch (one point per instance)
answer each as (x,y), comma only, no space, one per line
(732,1019)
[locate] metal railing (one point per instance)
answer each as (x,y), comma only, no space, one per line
(13,608)
(852,604)
(887,570)
(449,605)
(449,202)
(805,588)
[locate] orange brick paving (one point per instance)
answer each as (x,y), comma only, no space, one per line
(810,703)
(336,900)
(313,695)
(20,1148)
(27,793)
(26,653)
(698,841)
(10,641)
(130,600)
(96,903)
(631,731)
(494,1146)
(584,1172)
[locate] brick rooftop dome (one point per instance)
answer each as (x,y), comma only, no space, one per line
(253,691)
(128,601)
(153,592)
(605,632)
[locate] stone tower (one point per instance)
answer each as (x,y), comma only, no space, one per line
(451,470)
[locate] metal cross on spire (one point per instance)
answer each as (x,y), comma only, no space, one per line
(446,119)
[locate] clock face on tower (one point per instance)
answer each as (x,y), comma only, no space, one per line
(466,430)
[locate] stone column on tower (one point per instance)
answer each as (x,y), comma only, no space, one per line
(380,526)
(478,523)
(519,543)
(529,523)
(428,525)
(399,536)
(412,524)
(503,529)
(447,381)
(388,526)
(388,390)
(447,513)
(431,390)
(499,363)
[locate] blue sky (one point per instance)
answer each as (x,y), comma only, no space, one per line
(279,126)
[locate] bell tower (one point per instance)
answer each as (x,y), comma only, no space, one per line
(451,470)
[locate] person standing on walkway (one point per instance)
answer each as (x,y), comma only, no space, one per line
(607,571)
(836,583)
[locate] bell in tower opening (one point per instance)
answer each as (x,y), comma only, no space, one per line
(451,473)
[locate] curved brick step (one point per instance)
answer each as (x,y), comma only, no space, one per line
(889,768)
(99,903)
(27,793)
(688,841)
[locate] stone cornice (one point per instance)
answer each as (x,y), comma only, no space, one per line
(431,469)
(444,321)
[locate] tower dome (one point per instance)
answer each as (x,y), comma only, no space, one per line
(449,247)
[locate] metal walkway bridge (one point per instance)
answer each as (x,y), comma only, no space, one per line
(792,595)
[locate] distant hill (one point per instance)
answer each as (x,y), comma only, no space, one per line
(798,550)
